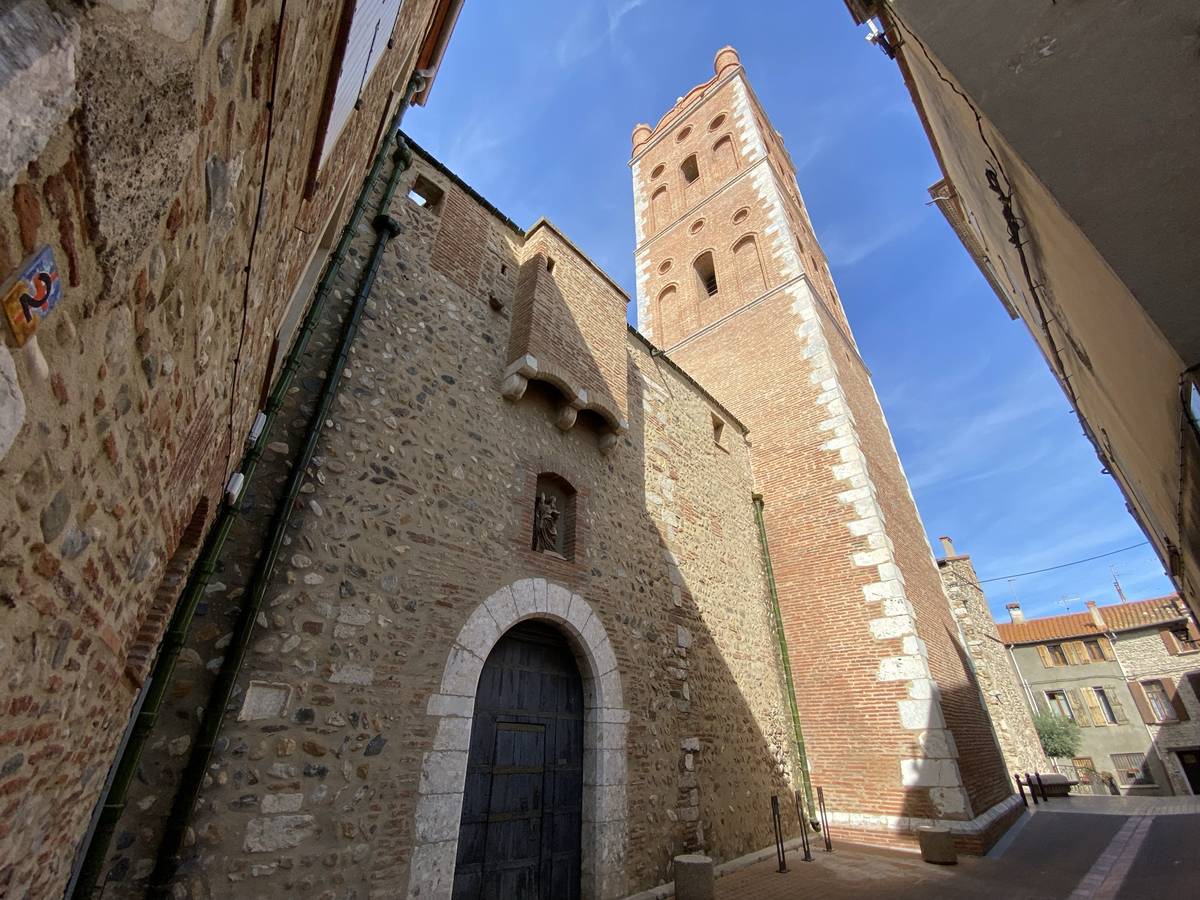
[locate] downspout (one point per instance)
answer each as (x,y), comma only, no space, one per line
(173,641)
(797,734)
(386,228)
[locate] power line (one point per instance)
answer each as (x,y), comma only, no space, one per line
(1064,565)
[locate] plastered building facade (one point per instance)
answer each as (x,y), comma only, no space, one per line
(1099,269)
(1128,675)
(733,285)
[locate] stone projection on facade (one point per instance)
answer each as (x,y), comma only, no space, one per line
(999,682)
(733,285)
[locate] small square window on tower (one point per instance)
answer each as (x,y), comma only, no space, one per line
(718,425)
(426,195)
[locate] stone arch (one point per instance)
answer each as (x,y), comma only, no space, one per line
(444,767)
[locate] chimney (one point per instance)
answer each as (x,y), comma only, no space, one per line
(947,547)
(1097,619)
(1014,612)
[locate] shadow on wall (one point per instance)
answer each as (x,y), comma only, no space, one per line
(425,491)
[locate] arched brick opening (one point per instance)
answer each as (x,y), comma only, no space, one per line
(443,768)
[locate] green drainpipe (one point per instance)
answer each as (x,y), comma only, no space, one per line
(190,783)
(173,641)
(787,665)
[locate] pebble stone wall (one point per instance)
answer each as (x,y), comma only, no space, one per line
(425,477)
(142,141)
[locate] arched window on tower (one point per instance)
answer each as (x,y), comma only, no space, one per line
(660,209)
(554,516)
(706,276)
(725,161)
(666,314)
(690,169)
(748,262)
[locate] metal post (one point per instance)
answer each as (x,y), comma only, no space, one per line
(1020,788)
(824,819)
(779,851)
(1041,787)
(1032,792)
(804,842)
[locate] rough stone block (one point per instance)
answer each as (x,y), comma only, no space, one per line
(503,608)
(438,817)
(432,870)
(480,633)
(264,700)
(462,672)
(270,835)
(937,845)
(443,772)
(694,877)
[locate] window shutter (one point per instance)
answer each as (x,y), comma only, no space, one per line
(1194,680)
(1169,641)
(1193,631)
(1176,701)
(1118,710)
(1078,706)
(1107,648)
(1047,660)
(370,30)
(1142,704)
(1071,648)
(1082,651)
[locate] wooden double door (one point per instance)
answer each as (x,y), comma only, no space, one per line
(520,832)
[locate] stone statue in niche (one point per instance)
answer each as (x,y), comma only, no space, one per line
(545,524)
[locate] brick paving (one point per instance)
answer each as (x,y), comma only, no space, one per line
(1073,852)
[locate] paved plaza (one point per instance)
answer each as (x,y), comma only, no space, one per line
(1078,848)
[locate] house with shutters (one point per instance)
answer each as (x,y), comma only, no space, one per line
(1129,675)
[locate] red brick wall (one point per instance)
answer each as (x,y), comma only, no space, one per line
(867,622)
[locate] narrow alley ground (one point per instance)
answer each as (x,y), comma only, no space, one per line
(1081,848)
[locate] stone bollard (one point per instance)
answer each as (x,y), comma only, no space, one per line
(937,845)
(693,877)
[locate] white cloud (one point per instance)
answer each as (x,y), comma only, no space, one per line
(592,27)
(843,250)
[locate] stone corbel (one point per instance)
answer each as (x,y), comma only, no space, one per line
(516,377)
(569,411)
(609,439)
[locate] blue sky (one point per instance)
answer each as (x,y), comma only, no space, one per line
(534,106)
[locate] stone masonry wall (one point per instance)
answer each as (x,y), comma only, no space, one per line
(1143,655)
(159,149)
(425,477)
(998,680)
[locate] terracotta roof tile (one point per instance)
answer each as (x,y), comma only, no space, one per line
(1117,617)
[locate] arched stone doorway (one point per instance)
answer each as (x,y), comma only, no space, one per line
(519,836)
(605,720)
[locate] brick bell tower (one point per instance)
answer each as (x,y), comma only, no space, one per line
(733,285)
